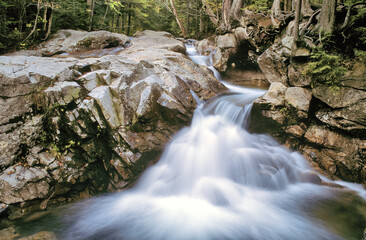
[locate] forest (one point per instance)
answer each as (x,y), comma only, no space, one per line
(24,23)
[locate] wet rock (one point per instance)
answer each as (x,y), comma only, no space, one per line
(8,233)
(43,235)
(310,177)
(3,207)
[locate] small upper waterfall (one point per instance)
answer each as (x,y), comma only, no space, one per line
(215,180)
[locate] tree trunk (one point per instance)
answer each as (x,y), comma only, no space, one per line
(118,19)
(105,14)
(306,8)
(235,10)
(92,6)
(288,5)
(226,7)
(327,16)
(348,15)
(187,16)
(297,22)
(196,22)
(21,16)
(35,21)
(177,19)
(49,22)
(201,23)
(123,21)
(210,13)
(276,13)
(129,20)
(44,18)
(276,9)
(304,28)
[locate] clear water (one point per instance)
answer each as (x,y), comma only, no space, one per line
(215,180)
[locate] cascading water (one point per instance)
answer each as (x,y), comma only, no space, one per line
(215,180)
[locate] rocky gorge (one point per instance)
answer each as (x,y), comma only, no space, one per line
(81,117)
(73,127)
(325,123)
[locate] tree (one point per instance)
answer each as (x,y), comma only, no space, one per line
(35,21)
(327,16)
(181,26)
(231,9)
(210,13)
(235,10)
(91,4)
(226,7)
(276,13)
(297,21)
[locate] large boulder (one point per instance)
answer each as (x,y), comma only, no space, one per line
(281,109)
(226,46)
(273,63)
(205,46)
(72,127)
(68,41)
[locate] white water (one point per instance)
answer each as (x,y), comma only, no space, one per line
(214,180)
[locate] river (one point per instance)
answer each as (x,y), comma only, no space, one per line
(215,180)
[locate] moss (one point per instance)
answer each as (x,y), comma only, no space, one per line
(87,42)
(325,68)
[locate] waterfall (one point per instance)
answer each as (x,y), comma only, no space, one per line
(215,180)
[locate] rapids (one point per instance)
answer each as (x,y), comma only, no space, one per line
(215,180)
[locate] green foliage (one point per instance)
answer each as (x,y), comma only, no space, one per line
(361,55)
(115,5)
(325,68)
(259,6)
(70,14)
(55,151)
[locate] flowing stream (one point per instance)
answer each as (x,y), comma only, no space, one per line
(215,180)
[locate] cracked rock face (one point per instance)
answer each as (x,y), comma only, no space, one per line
(327,124)
(73,127)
